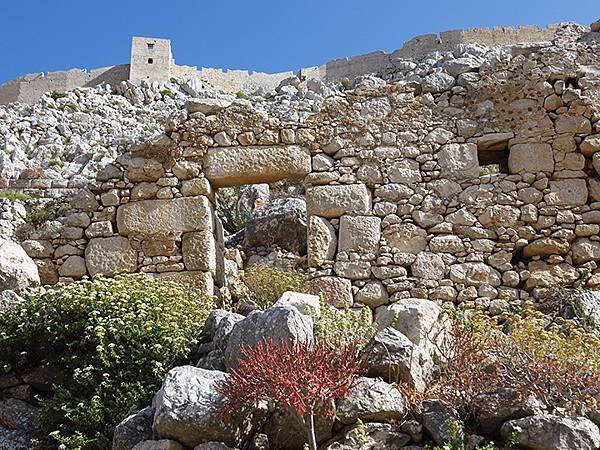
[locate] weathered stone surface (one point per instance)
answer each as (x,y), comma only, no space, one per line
(407,238)
(85,201)
(162,444)
(434,417)
(17,269)
(530,158)
(133,429)
(149,217)
(286,431)
(416,318)
(142,169)
(429,266)
(282,222)
(206,105)
(109,256)
(185,409)
(371,437)
(19,423)
(235,166)
(281,324)
(336,291)
(499,216)
(73,267)
(391,356)
(586,307)
(546,246)
(475,274)
(355,270)
(371,400)
(322,241)
(38,249)
(404,171)
(585,250)
(305,303)
(447,244)
(567,193)
(573,124)
(335,201)
(459,161)
(373,294)
(590,145)
(359,234)
(554,432)
(199,251)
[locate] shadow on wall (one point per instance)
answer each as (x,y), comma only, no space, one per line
(111,76)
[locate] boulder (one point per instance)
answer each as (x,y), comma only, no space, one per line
(186,409)
(282,222)
(391,356)
(373,294)
(434,418)
(133,430)
(206,105)
(286,431)
(459,161)
(19,423)
(548,432)
(280,324)
(162,444)
(199,251)
(586,308)
(371,436)
(17,269)
(418,319)
(251,198)
(371,400)
(305,303)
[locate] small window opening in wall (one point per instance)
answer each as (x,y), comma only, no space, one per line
(150,46)
(150,61)
(493,159)
(572,83)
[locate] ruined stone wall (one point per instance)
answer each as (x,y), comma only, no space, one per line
(397,203)
(30,88)
(420,46)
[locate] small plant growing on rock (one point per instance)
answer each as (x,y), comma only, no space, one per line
(337,327)
(13,196)
(303,378)
(266,284)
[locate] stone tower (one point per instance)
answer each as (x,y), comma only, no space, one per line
(151,59)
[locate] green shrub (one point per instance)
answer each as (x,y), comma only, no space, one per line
(266,284)
(56,162)
(39,215)
(242,94)
(13,196)
(56,95)
(340,327)
(168,93)
(346,83)
(112,340)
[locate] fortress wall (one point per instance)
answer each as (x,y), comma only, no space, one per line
(30,88)
(241,80)
(420,46)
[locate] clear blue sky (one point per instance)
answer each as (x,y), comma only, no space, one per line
(264,35)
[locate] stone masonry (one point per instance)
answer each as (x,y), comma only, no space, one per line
(398,200)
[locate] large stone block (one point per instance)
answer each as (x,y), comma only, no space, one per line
(109,256)
(406,237)
(567,193)
(459,161)
(178,215)
(322,241)
(335,201)
(530,158)
(359,234)
(199,251)
(235,166)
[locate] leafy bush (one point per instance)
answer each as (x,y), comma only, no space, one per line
(301,377)
(39,215)
(338,327)
(266,284)
(168,93)
(112,340)
(13,196)
(490,365)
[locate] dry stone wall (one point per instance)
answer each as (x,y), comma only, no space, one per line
(398,206)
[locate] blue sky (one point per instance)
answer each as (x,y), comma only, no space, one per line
(264,35)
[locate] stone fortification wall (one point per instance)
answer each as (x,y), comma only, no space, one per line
(398,201)
(241,80)
(420,46)
(30,88)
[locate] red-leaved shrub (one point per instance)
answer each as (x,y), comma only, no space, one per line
(301,377)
